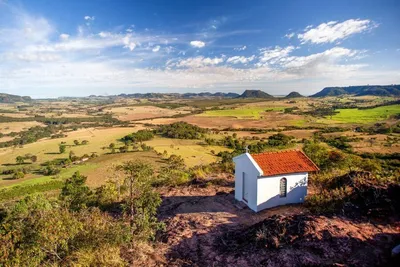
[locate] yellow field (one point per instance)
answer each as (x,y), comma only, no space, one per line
(47,149)
(8,127)
(104,165)
(143,112)
(192,152)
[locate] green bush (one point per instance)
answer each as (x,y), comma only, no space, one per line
(106,194)
(75,193)
(50,170)
(139,136)
(171,177)
(181,130)
(41,233)
(327,201)
(18,175)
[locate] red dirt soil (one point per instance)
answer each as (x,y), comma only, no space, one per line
(207,227)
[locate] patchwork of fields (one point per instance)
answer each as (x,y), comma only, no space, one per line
(215,114)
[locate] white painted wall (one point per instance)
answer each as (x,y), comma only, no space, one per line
(245,163)
(268,190)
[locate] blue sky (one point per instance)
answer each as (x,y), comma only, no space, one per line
(78,48)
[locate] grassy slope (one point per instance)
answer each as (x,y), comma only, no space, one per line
(366,115)
(190,150)
(48,150)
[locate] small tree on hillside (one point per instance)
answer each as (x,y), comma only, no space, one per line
(72,156)
(112,147)
(20,160)
(34,158)
(76,142)
(18,175)
(138,177)
(75,192)
(176,162)
(62,148)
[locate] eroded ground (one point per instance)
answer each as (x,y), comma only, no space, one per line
(207,227)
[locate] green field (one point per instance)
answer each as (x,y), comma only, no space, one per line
(241,113)
(366,115)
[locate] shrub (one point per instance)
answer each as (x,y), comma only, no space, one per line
(327,201)
(75,193)
(181,130)
(139,136)
(171,177)
(18,175)
(50,170)
(279,139)
(317,153)
(42,233)
(62,148)
(106,194)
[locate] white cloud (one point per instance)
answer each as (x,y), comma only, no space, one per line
(198,62)
(329,62)
(64,36)
(334,31)
(198,44)
(105,34)
(240,48)
(272,55)
(290,35)
(128,43)
(35,58)
(31,57)
(89,18)
(238,59)
(169,49)
(156,48)
(27,29)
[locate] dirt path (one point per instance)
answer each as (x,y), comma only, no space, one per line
(200,222)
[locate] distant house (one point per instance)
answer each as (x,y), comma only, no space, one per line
(272,179)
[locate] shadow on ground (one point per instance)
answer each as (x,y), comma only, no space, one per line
(205,230)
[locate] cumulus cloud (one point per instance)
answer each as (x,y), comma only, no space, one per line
(156,48)
(334,31)
(272,55)
(240,48)
(90,18)
(290,35)
(198,44)
(240,59)
(64,36)
(105,34)
(198,62)
(329,62)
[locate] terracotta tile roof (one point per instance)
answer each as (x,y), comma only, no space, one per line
(283,162)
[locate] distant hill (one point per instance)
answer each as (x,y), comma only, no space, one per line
(218,94)
(255,94)
(177,95)
(377,90)
(294,95)
(7,98)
